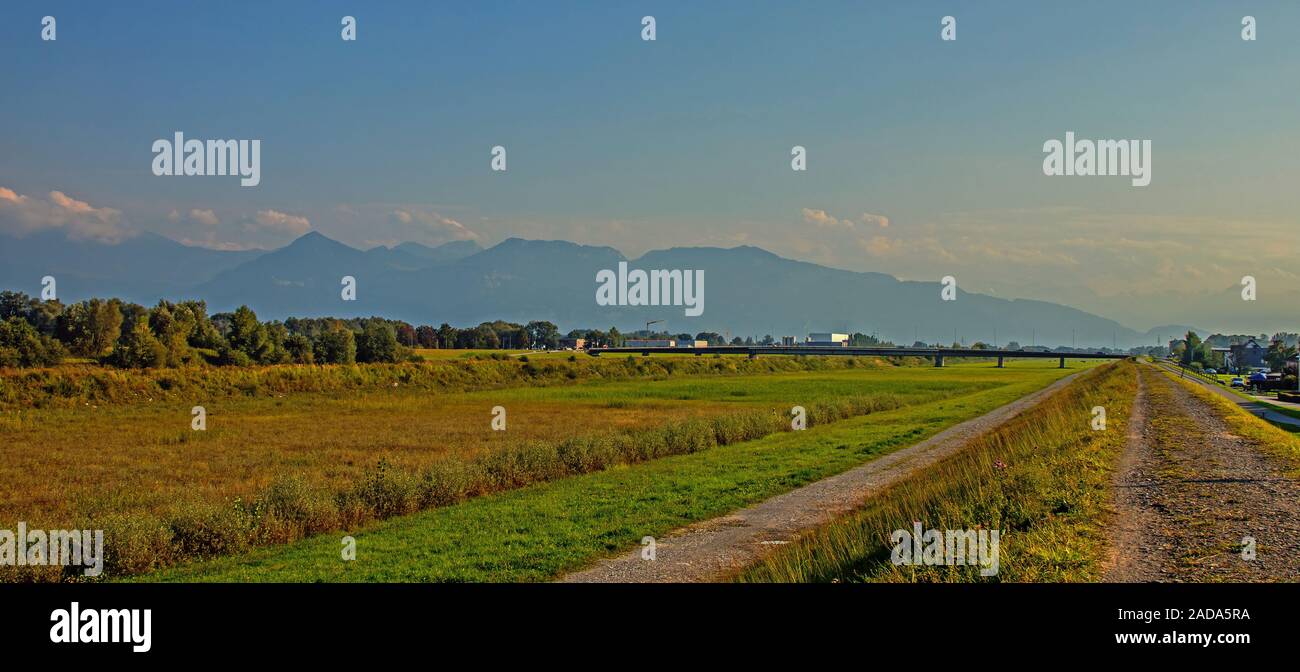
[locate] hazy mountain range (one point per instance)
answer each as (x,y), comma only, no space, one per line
(748,291)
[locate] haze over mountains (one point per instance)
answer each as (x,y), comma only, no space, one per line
(748,291)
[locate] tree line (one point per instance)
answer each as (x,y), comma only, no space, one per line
(128,335)
(1196,353)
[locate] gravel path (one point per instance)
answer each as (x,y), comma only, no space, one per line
(1190,492)
(1255,408)
(712,549)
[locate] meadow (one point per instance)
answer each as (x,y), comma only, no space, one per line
(539,531)
(298,451)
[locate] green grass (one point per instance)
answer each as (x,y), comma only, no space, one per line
(1280,440)
(1284,410)
(1043,479)
(540,531)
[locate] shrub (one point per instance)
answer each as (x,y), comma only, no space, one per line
(22,345)
(387,491)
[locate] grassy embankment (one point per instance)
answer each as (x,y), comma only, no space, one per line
(542,530)
(292,451)
(1043,479)
(1276,440)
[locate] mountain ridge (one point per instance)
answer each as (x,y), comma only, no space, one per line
(748,290)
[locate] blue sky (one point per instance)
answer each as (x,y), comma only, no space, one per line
(685,140)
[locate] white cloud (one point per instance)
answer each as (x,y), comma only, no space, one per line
(821,219)
(21,215)
(204,217)
(432,222)
(880,221)
(824,220)
(274,221)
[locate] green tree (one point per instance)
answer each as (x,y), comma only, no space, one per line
(406,335)
(426,336)
(90,328)
(336,346)
(42,315)
(377,343)
(22,345)
(1277,355)
(139,349)
(274,352)
(299,348)
(543,334)
(1192,349)
(447,336)
(247,335)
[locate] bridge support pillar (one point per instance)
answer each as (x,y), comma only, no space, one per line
(938,360)
(1062,366)
(999,361)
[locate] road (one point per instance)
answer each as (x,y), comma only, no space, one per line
(1255,408)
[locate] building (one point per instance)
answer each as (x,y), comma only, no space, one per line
(700,344)
(573,343)
(650,343)
(827,339)
(788,341)
(1248,355)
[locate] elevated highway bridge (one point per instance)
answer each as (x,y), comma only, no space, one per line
(937,354)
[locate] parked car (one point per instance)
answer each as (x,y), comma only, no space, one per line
(1238,382)
(1211,372)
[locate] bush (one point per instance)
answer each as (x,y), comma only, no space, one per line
(229,356)
(201,531)
(22,345)
(387,491)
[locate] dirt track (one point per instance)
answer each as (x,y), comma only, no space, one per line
(710,549)
(1189,492)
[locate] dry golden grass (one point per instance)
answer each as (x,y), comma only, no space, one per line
(142,458)
(275,464)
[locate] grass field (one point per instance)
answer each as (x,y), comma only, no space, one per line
(1281,441)
(539,531)
(1042,479)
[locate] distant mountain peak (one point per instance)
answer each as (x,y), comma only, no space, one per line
(317,240)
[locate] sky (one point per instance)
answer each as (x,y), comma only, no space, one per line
(924,156)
